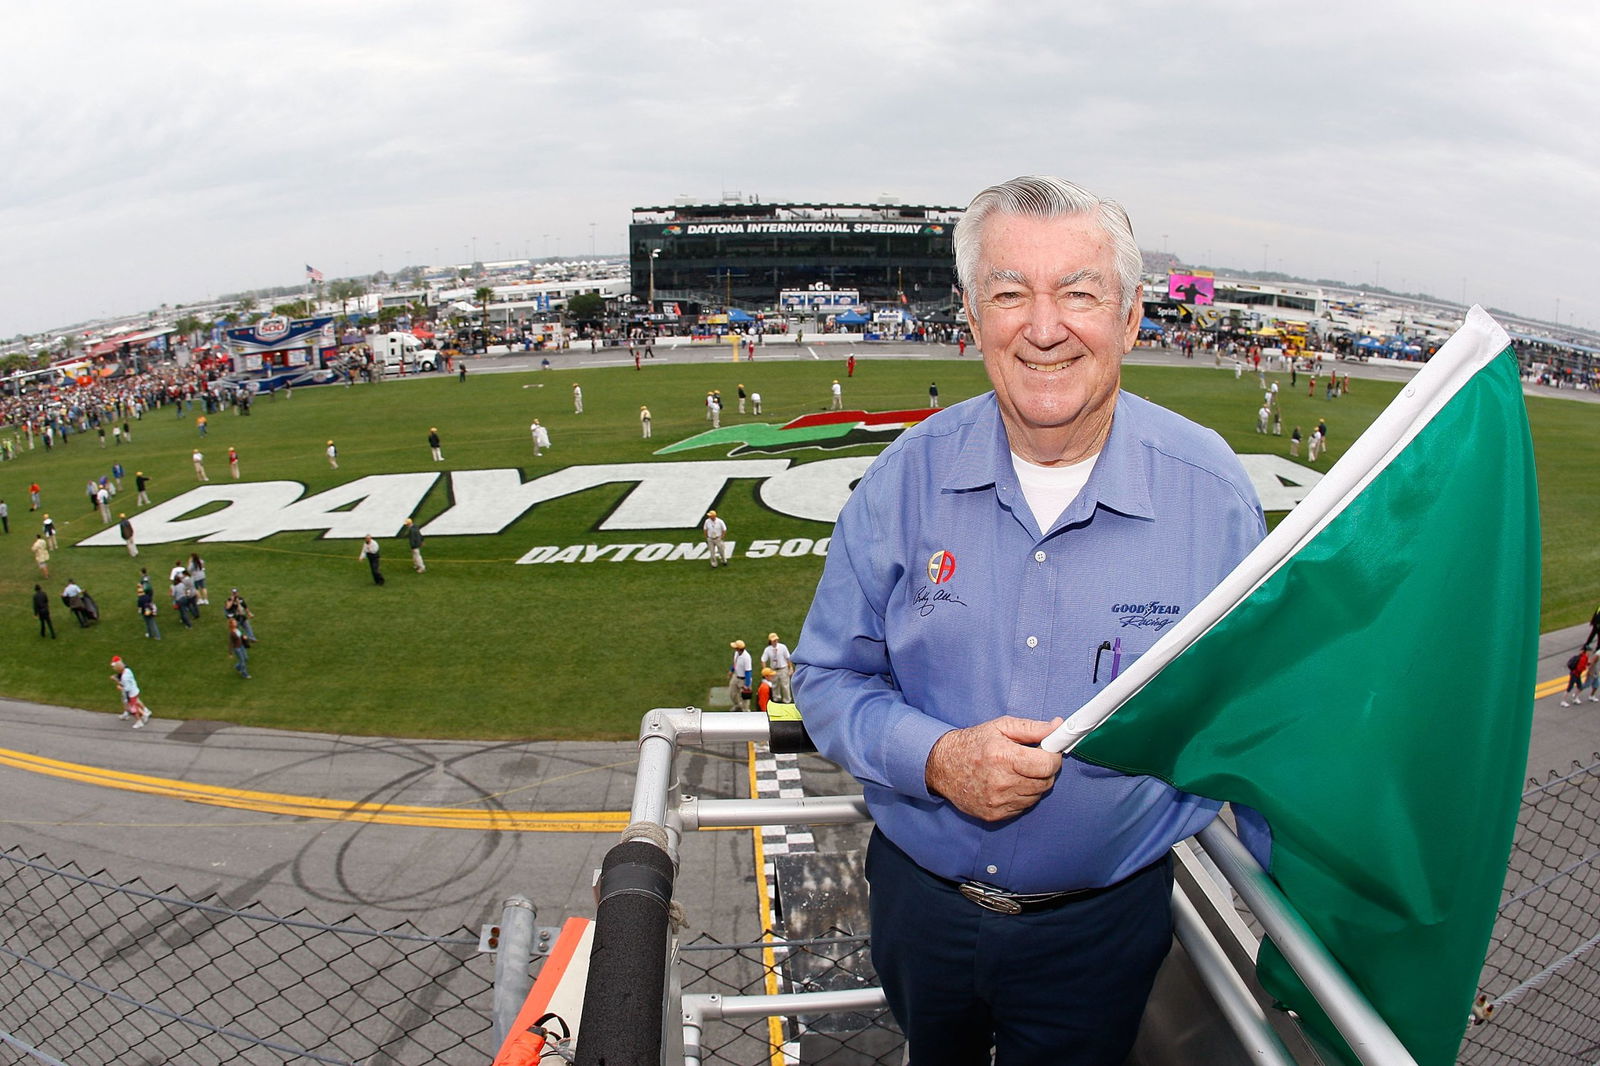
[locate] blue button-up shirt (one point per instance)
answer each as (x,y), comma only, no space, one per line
(943,605)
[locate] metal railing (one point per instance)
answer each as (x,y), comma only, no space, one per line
(632,1005)
(96,969)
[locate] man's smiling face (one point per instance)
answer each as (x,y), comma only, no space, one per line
(1048,317)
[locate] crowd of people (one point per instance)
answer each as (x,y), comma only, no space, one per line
(187,594)
(106,410)
(1269,412)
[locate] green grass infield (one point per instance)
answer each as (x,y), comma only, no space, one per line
(575,642)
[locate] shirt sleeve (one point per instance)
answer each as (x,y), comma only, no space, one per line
(844,680)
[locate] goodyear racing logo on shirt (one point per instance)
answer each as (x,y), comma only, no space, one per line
(1151,615)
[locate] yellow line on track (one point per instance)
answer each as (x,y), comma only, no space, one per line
(1549,688)
(318,807)
(336,810)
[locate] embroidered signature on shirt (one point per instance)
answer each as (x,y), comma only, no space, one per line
(1145,621)
(926,601)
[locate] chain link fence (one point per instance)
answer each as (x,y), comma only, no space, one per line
(1540,990)
(93,970)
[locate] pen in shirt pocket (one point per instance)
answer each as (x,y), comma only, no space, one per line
(1115,648)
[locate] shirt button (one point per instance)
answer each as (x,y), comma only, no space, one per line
(1038,556)
(991,869)
(1033,642)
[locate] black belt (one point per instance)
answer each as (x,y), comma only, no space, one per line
(1000,901)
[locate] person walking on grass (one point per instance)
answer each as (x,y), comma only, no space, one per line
(187,611)
(239,610)
(413,537)
(239,648)
(433,444)
(370,552)
(41,611)
(148,611)
(715,529)
(125,528)
(197,572)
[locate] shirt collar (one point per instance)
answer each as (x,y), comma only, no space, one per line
(1119,482)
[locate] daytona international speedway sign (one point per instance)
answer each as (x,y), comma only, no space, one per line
(665,496)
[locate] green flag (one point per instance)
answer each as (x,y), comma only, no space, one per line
(1365,681)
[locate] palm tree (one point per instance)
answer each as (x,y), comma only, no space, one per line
(483,296)
(344,290)
(188,325)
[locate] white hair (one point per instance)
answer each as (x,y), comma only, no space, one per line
(1046,197)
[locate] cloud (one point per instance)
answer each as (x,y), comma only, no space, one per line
(161,153)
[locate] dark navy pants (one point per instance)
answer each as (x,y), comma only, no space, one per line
(1062,987)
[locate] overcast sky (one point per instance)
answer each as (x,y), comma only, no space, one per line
(167,153)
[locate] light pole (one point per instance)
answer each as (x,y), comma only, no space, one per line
(652,307)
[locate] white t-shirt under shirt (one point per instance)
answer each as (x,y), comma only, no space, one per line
(1049,489)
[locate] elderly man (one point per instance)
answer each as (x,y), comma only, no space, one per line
(715,529)
(979,563)
(775,656)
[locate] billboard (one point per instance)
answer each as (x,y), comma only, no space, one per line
(768,228)
(1198,288)
(277,332)
(819,298)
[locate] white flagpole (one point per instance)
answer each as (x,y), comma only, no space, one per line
(1472,348)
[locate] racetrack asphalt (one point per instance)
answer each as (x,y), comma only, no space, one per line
(433,832)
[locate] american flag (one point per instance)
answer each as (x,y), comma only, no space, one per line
(313,273)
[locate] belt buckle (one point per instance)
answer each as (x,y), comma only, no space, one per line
(989,898)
